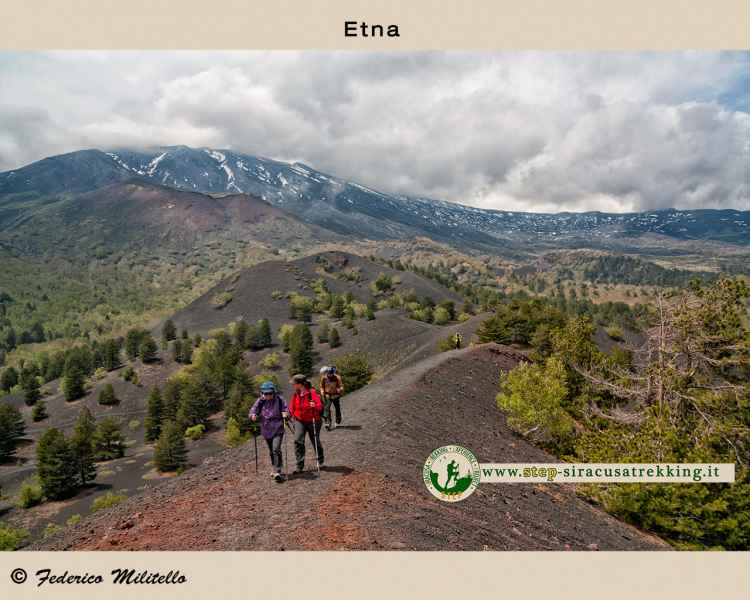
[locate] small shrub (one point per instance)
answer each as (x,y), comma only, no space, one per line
(107,396)
(220,300)
(99,374)
(107,500)
(134,424)
(615,332)
(73,520)
(234,436)
(30,494)
(463,317)
(271,361)
(354,370)
(50,530)
(277,295)
(446,344)
(11,538)
(195,432)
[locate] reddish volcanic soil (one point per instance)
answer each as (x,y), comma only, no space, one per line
(369,495)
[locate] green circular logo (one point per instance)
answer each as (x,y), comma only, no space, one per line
(451,473)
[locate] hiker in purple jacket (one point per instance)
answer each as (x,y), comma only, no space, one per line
(272,411)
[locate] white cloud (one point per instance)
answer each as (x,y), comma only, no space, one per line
(514,130)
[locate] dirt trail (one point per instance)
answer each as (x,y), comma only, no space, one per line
(370,495)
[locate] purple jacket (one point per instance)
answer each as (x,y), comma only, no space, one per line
(271,421)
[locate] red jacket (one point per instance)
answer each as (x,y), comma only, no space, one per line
(300,409)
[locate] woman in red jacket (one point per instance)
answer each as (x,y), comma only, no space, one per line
(306,408)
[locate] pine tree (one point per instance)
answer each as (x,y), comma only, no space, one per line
(107,440)
(170,453)
(12,429)
(39,412)
(82,443)
(285,336)
(187,353)
(238,406)
(169,331)
(242,335)
(194,406)
(152,424)
(9,379)
(148,349)
(56,465)
(107,396)
(323,333)
(263,337)
(335,339)
(370,314)
(133,340)
(177,351)
(301,350)
(338,307)
(74,379)
(111,355)
(170,401)
(184,335)
(31,392)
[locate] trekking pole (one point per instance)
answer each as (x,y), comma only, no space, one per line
(286,454)
(316,433)
(255,439)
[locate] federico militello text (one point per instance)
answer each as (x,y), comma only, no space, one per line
(119,576)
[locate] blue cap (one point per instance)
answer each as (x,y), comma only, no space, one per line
(267,386)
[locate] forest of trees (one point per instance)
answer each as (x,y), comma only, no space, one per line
(680,395)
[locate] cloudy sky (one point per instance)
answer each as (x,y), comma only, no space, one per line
(511,130)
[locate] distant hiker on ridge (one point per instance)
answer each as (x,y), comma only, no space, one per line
(306,408)
(273,411)
(457,339)
(332,389)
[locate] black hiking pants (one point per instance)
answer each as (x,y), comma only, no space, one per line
(312,430)
(336,401)
(274,447)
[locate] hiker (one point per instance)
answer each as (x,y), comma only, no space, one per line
(273,412)
(332,389)
(306,408)
(457,340)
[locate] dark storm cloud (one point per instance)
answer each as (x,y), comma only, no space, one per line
(513,130)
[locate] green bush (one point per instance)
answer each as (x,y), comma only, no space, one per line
(50,530)
(73,520)
(271,361)
(234,436)
(30,494)
(11,538)
(615,332)
(532,396)
(107,500)
(221,300)
(195,432)
(354,370)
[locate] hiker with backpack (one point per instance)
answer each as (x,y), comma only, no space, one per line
(307,408)
(273,412)
(332,388)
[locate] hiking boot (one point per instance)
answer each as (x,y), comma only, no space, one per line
(278,477)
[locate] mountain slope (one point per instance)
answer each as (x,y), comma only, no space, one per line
(370,495)
(137,213)
(351,209)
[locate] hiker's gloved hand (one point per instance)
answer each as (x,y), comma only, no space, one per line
(253,417)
